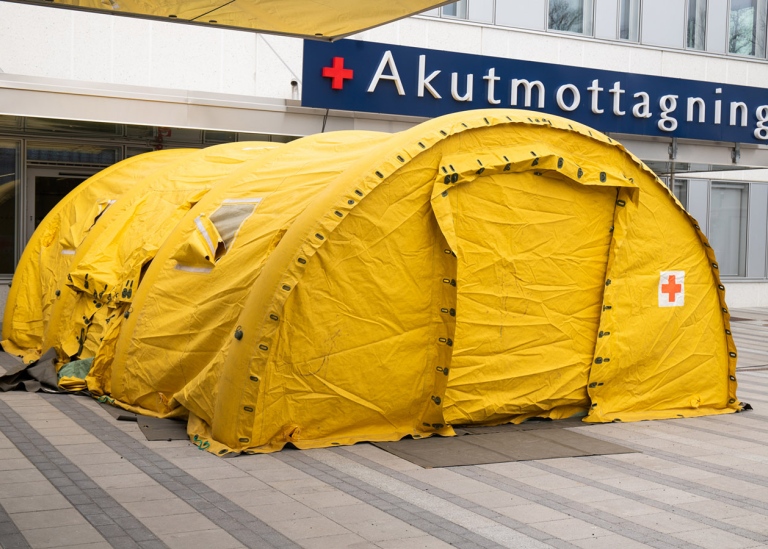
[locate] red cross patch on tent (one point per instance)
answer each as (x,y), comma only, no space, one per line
(672,289)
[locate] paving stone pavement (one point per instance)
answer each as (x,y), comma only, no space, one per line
(73,476)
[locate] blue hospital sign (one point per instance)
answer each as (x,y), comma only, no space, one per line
(367,76)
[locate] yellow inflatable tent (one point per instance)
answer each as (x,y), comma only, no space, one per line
(46,259)
(480,268)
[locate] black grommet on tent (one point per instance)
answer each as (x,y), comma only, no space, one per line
(254,378)
(598,360)
(444,194)
(222,451)
(721,287)
(603,177)
(606,307)
(381,176)
(286,287)
(594,404)
(444,311)
(447,179)
(274,317)
(732,378)
(592,385)
(537,173)
(302,261)
(58,293)
(338,213)
(481,170)
(442,132)
(621,203)
(436,399)
(579,173)
(486,120)
(244,439)
(422,145)
(560,162)
(533,153)
(126,315)
(247,408)
(535,162)
(442,340)
(732,355)
(449,342)
(263,347)
(358,192)
(238,334)
(454,177)
(608,282)
(319,236)
(731,400)
(507,167)
(727,332)
(725,310)
(400,158)
(437,425)
(714,266)
(350,201)
(452,312)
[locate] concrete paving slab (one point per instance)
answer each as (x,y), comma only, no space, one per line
(692,484)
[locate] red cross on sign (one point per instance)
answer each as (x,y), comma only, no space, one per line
(337,73)
(672,289)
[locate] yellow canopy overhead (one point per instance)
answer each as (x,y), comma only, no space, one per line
(317,19)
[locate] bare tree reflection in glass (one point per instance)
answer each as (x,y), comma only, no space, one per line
(566,15)
(747,20)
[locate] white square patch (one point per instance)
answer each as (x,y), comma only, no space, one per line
(672,289)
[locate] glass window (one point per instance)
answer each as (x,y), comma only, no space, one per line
(133,151)
(71,153)
(697,24)
(480,11)
(528,15)
(571,16)
(680,190)
(11,122)
(9,178)
(629,20)
(728,227)
(746,27)
(457,9)
(663,23)
(72,127)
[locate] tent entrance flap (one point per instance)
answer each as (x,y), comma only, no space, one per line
(531,243)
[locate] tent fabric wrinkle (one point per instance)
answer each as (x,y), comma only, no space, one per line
(482,268)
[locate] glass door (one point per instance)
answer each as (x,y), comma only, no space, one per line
(45,188)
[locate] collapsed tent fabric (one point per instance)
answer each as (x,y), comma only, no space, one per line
(480,268)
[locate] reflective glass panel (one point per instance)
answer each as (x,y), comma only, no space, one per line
(71,153)
(697,24)
(9,179)
(728,227)
(71,127)
(457,9)
(571,16)
(746,27)
(629,20)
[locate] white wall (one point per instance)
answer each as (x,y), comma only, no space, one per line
(71,45)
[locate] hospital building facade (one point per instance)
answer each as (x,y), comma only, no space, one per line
(682,84)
